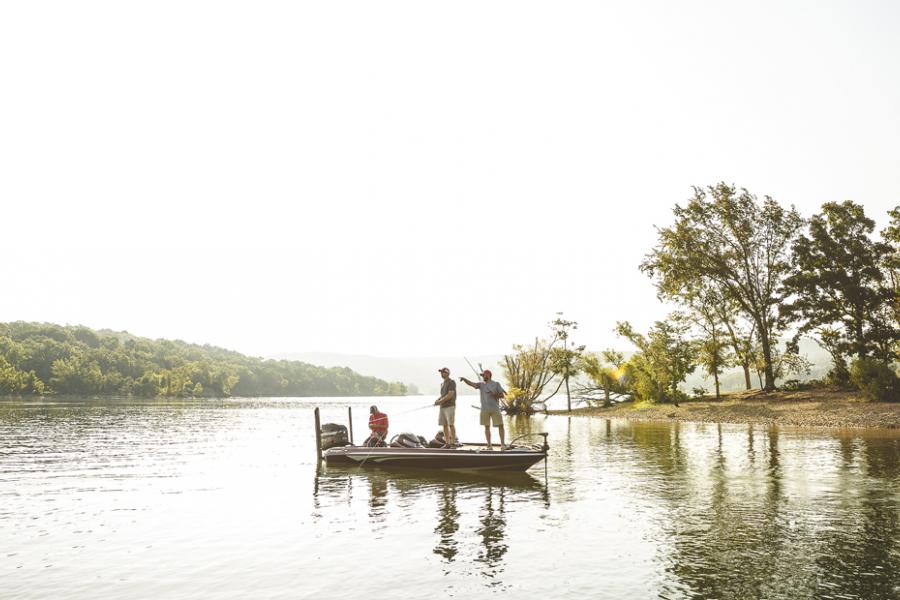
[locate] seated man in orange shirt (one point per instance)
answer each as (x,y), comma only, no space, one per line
(378,423)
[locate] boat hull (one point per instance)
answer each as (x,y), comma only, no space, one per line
(446,459)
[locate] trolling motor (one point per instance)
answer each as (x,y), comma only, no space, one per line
(545,447)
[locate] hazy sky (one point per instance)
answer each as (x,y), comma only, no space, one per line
(409,178)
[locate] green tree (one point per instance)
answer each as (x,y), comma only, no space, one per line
(708,311)
(831,340)
(12,380)
(712,355)
(877,381)
(891,236)
(76,375)
(838,281)
(665,357)
(564,360)
(527,371)
(726,239)
(606,372)
(721,324)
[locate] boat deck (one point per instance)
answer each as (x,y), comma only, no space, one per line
(468,457)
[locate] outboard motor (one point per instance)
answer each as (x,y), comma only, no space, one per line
(334,435)
(406,440)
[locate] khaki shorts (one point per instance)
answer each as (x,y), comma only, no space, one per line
(489,417)
(447,415)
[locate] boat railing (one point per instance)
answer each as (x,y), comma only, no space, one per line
(544,447)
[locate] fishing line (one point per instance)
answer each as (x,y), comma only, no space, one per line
(417,408)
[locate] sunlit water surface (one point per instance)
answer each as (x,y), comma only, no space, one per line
(223,499)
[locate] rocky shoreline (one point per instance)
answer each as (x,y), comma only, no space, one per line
(814,408)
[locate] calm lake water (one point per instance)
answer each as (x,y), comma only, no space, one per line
(223,499)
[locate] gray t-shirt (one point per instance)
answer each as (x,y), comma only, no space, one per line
(446,386)
(489,402)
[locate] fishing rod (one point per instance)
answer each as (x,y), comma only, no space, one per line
(417,408)
(477,374)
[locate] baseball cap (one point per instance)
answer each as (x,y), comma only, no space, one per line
(442,369)
(487,372)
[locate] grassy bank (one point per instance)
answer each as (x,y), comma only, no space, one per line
(814,408)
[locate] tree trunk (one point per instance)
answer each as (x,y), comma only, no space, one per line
(745,362)
(860,339)
(767,360)
(746,366)
(716,378)
(568,358)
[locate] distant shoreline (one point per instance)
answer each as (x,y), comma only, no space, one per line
(68,396)
(814,408)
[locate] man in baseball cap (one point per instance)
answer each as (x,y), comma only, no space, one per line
(378,424)
(447,412)
(491,393)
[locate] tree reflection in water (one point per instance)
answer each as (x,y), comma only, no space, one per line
(781,515)
(861,553)
(492,532)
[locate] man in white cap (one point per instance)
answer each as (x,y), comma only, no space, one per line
(491,393)
(447,413)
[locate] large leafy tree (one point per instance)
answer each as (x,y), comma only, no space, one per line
(665,357)
(725,238)
(839,285)
(891,236)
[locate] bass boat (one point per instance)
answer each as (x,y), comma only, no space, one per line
(466,457)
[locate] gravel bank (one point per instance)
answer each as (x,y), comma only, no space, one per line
(816,408)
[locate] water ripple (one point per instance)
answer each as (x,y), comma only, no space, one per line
(223,499)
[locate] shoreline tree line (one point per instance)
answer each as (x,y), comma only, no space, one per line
(43,358)
(748,278)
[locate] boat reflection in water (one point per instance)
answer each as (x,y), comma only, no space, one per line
(469,510)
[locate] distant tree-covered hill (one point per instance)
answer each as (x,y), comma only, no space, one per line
(419,372)
(42,358)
